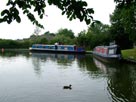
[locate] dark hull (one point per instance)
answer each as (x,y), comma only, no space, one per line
(107,59)
(57,51)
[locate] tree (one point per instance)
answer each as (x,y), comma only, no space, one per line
(81,39)
(121,27)
(121,3)
(62,39)
(127,12)
(123,23)
(66,32)
(98,28)
(72,8)
(98,35)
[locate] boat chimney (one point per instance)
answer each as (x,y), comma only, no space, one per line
(112,43)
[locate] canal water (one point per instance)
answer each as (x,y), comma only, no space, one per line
(34,77)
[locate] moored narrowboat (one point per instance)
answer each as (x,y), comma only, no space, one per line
(56,48)
(110,53)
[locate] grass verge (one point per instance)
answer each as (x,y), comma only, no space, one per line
(129,54)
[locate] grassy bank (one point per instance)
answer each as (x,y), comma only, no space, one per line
(129,54)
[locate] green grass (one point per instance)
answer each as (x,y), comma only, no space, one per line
(129,54)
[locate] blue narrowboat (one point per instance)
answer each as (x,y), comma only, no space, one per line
(110,53)
(56,48)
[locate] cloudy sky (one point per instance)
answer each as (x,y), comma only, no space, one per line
(55,20)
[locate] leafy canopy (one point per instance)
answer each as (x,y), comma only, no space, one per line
(122,3)
(72,8)
(66,33)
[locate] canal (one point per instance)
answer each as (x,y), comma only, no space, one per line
(34,77)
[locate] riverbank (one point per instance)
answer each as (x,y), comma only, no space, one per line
(129,54)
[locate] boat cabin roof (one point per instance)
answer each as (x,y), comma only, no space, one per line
(53,45)
(112,46)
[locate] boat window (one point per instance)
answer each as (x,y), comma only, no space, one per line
(33,46)
(52,47)
(61,47)
(47,47)
(44,46)
(70,48)
(111,51)
(40,46)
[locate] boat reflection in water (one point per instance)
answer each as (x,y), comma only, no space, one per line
(104,67)
(121,81)
(60,58)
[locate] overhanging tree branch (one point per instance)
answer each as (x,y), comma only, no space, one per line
(72,8)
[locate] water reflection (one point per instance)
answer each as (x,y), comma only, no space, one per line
(60,59)
(85,62)
(12,53)
(37,66)
(87,65)
(121,81)
(91,79)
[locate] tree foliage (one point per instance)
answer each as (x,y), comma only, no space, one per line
(63,36)
(123,25)
(66,33)
(81,39)
(98,28)
(122,3)
(14,44)
(62,39)
(72,8)
(96,35)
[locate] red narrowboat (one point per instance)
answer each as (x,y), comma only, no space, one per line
(108,53)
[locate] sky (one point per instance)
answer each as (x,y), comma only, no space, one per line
(55,21)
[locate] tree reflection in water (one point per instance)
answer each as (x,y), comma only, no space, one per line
(37,67)
(61,59)
(120,78)
(87,65)
(121,81)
